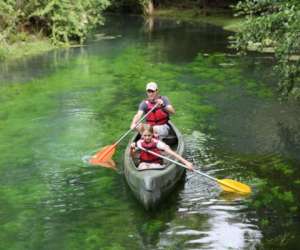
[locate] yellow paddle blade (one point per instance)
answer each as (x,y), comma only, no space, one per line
(104,155)
(229,185)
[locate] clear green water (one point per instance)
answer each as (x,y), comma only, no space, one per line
(60,107)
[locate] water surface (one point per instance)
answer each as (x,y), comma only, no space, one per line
(62,106)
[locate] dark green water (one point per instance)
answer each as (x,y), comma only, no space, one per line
(60,107)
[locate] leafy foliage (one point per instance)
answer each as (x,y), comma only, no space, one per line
(62,20)
(273,26)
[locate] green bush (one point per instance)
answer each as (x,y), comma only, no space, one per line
(68,20)
(274,25)
(62,20)
(3,53)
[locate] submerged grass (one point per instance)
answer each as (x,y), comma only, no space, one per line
(49,123)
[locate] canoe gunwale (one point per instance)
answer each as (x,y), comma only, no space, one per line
(150,187)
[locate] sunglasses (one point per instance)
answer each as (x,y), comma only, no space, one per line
(150,91)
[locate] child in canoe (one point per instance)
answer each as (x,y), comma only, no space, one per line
(149,142)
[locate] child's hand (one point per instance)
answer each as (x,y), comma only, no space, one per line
(189,166)
(133,146)
(132,149)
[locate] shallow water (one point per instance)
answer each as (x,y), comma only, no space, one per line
(60,107)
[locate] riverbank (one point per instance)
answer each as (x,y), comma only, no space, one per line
(222,18)
(29,46)
(219,17)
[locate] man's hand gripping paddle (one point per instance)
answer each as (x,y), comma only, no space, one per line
(104,156)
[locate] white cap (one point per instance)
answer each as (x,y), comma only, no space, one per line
(151,86)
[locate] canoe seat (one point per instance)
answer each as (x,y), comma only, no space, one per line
(170,140)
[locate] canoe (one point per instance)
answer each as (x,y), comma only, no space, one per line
(151,186)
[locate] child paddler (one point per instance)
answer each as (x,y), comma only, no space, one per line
(148,160)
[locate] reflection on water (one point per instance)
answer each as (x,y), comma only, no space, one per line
(206,218)
(60,107)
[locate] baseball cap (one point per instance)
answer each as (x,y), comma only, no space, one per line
(151,86)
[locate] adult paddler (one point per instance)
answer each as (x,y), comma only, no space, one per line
(160,116)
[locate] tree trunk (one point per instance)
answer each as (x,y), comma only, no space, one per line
(149,8)
(204,6)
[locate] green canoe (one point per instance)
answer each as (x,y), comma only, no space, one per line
(150,187)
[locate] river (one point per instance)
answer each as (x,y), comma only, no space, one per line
(59,107)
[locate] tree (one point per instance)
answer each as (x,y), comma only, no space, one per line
(62,20)
(273,25)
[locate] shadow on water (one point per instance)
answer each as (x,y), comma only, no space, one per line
(151,223)
(25,70)
(173,37)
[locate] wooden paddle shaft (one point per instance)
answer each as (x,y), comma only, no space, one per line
(194,170)
(222,183)
(138,123)
(178,163)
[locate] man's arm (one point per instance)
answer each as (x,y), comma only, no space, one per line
(136,119)
(170,109)
(164,101)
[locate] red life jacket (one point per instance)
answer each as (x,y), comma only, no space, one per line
(148,157)
(158,116)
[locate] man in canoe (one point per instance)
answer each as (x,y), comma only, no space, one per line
(160,116)
(148,160)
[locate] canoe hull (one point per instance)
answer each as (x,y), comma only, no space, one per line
(150,187)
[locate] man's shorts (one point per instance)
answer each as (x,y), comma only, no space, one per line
(161,130)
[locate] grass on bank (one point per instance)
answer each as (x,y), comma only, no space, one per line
(223,18)
(25,45)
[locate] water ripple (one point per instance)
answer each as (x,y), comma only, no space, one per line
(208,218)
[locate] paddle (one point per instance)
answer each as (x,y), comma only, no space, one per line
(227,185)
(104,156)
